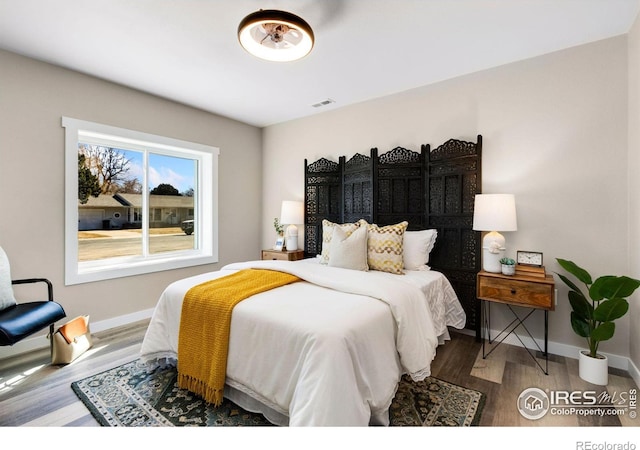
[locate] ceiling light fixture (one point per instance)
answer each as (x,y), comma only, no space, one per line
(275,35)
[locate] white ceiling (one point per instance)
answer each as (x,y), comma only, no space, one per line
(188,51)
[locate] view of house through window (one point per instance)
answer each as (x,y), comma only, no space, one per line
(110,204)
(136,203)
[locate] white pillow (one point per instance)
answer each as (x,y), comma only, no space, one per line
(417,246)
(6,290)
(327,234)
(349,251)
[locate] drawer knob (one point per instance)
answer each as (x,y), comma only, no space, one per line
(513,291)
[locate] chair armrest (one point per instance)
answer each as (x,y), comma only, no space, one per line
(37,280)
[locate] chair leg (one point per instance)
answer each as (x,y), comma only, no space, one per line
(51,331)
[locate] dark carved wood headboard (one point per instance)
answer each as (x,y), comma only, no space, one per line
(429,189)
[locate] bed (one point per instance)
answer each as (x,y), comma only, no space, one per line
(330,349)
(341,365)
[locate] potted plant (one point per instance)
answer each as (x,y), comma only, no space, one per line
(508,266)
(592,317)
(278,226)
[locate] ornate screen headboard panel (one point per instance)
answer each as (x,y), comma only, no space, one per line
(357,186)
(399,187)
(453,180)
(430,189)
(323,200)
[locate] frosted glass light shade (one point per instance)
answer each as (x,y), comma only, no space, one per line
(275,35)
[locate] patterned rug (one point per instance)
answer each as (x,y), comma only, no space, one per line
(130,396)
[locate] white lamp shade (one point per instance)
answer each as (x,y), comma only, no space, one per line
(292,213)
(495,212)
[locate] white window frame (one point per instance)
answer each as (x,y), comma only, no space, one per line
(206,204)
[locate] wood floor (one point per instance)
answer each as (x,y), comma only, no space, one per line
(34,393)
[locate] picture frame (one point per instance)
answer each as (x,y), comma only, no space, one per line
(279,244)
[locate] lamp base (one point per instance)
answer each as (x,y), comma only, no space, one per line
(492,251)
(292,238)
(292,243)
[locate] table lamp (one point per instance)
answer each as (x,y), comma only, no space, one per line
(494,213)
(292,213)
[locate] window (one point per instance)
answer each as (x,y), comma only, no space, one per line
(136,202)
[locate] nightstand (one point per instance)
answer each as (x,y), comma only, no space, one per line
(286,255)
(534,292)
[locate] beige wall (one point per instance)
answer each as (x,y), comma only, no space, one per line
(555,135)
(34,96)
(634,184)
(556,131)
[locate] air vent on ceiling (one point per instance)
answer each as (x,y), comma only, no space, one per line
(323,103)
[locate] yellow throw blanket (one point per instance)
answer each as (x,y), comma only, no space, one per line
(205,323)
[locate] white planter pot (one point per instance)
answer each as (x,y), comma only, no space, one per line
(593,370)
(508,269)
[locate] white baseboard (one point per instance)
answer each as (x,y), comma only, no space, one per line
(39,342)
(568,351)
(634,372)
(571,351)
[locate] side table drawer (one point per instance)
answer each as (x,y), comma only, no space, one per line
(275,255)
(293,255)
(524,293)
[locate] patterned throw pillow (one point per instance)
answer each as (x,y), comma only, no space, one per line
(327,233)
(384,248)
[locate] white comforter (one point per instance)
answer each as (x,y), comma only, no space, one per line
(326,351)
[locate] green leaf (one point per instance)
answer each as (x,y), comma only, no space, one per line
(596,290)
(610,310)
(570,283)
(604,332)
(580,305)
(575,270)
(580,326)
(621,287)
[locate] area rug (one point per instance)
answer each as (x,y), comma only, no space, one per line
(131,396)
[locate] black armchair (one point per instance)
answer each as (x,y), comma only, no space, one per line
(19,320)
(24,319)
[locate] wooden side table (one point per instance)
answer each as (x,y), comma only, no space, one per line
(532,292)
(286,255)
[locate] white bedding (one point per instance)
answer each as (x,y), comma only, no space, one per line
(326,351)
